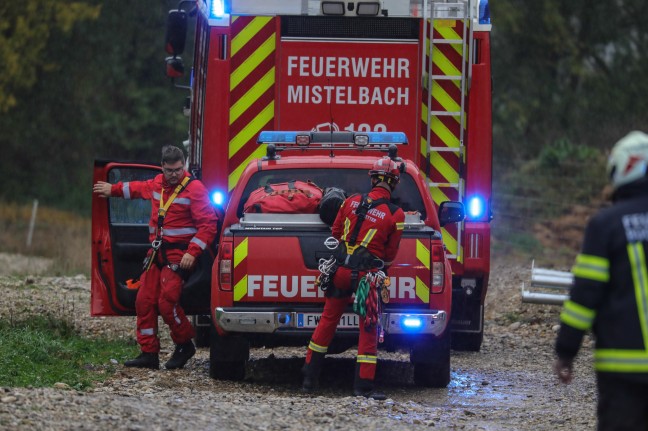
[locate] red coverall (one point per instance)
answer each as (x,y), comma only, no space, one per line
(380,233)
(190,222)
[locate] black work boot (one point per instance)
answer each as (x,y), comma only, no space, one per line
(145,360)
(181,354)
(365,387)
(311,372)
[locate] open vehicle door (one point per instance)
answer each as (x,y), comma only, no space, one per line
(120,241)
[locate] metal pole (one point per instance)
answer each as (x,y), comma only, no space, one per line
(32,223)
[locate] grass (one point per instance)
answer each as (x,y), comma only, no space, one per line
(61,236)
(42,350)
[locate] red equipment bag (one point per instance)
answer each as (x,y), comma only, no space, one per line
(294,197)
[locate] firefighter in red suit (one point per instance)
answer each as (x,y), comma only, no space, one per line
(376,242)
(183,224)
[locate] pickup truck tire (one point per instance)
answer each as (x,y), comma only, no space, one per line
(202,325)
(227,356)
(431,360)
(467,341)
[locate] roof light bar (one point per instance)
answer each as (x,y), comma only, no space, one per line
(329,140)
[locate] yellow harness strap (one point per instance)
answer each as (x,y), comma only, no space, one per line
(164,207)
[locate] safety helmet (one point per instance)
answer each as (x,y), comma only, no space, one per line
(386,170)
(628,159)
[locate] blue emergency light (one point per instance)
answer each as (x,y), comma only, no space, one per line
(360,139)
(476,207)
(484,12)
(218,198)
(412,323)
(216,12)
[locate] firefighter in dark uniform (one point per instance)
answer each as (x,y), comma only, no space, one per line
(365,246)
(610,294)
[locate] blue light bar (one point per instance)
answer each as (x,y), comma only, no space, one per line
(279,137)
(290,137)
(484,12)
(386,137)
(412,322)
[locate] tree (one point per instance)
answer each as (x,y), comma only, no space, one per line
(25,30)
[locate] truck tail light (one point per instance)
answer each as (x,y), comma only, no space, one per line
(225,266)
(438,269)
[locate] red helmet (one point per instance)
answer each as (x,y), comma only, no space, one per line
(386,170)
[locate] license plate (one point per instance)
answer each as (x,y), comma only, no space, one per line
(310,320)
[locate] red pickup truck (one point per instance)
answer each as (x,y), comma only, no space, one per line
(264,290)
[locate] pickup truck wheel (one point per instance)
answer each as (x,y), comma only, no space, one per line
(467,341)
(227,356)
(202,325)
(431,360)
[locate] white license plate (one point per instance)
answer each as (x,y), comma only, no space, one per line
(310,320)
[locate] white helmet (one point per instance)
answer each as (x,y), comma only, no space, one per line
(628,159)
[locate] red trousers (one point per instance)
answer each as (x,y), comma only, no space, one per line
(159,293)
(333,310)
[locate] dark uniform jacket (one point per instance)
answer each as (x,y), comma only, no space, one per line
(610,292)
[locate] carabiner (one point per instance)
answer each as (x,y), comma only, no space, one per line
(156,244)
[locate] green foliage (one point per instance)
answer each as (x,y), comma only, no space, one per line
(26,28)
(44,350)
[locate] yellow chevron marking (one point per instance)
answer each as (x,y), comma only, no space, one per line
(240,290)
(444,168)
(450,242)
(423,254)
(236,173)
(251,129)
(240,252)
(448,103)
(248,32)
(448,138)
(422,291)
(445,64)
(437,195)
(252,95)
(449,33)
(252,62)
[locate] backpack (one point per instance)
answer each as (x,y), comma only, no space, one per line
(293,197)
(330,204)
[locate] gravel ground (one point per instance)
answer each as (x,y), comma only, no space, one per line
(506,386)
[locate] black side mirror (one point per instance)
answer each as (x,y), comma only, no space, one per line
(451,212)
(176,32)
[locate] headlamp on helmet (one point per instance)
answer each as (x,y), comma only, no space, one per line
(628,160)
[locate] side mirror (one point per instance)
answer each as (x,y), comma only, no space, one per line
(176,32)
(451,212)
(174,67)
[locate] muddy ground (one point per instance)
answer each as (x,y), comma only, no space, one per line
(508,385)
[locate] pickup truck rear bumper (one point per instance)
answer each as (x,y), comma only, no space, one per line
(415,322)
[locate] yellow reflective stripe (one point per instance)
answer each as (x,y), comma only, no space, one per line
(252,62)
(368,237)
(234,177)
(422,291)
(444,63)
(251,129)
(347,226)
(450,139)
(423,254)
(637,256)
(442,96)
(247,33)
(451,242)
(577,316)
(240,289)
(252,95)
(621,361)
(366,359)
(437,195)
(240,252)
(444,168)
(400,226)
(447,31)
(591,267)
(317,348)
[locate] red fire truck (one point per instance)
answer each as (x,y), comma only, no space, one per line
(420,67)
